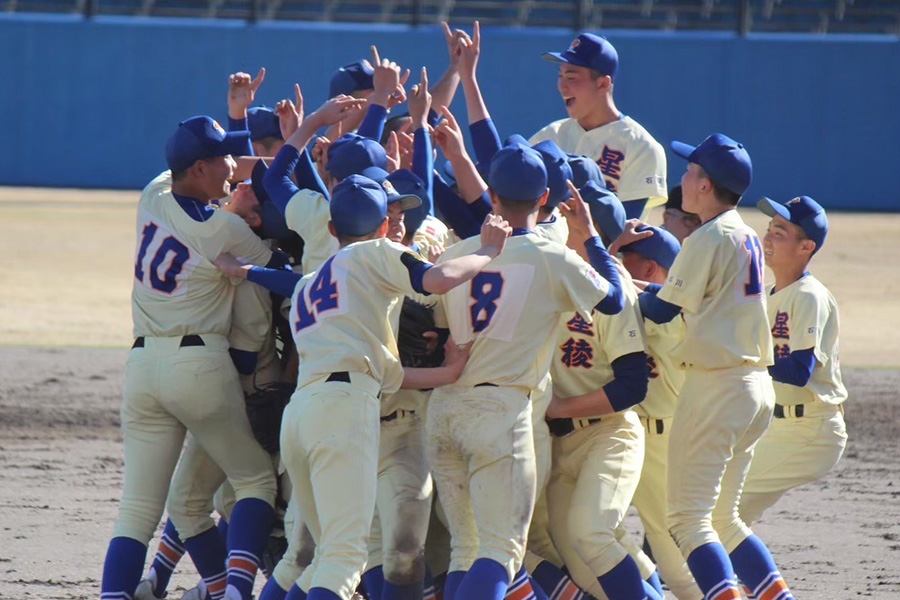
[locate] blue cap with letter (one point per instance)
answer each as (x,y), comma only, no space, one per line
(199,138)
(358,206)
(518,174)
(803,212)
(351,78)
(351,153)
(607,211)
(589,51)
(585,170)
(724,160)
(263,123)
(558,172)
(662,247)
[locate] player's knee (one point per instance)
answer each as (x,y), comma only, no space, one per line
(404,567)
(137,523)
(261,486)
(190,516)
(597,548)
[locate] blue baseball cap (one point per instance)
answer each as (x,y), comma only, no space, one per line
(407,183)
(662,247)
(199,138)
(351,154)
(607,211)
(558,172)
(724,160)
(263,123)
(518,174)
(589,51)
(351,78)
(803,212)
(358,206)
(382,178)
(585,170)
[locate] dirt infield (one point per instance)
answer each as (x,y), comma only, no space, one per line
(65,292)
(61,468)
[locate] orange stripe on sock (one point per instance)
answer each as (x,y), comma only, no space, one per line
(242,564)
(520,593)
(217,586)
(777,587)
(749,593)
(569,592)
(728,594)
(169,552)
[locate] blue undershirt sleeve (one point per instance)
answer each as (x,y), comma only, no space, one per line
(244,360)
(372,126)
(242,125)
(795,368)
(454,210)
(278,281)
(308,176)
(417,269)
(603,263)
(629,385)
(485,140)
(277,180)
(423,166)
(656,309)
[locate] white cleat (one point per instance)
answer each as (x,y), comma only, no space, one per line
(144,591)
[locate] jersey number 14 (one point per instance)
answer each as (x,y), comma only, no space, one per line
(322,296)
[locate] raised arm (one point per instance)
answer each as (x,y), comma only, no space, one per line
(443,277)
(449,137)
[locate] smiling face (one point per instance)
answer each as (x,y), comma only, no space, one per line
(214,174)
(580,89)
(245,204)
(396,223)
(786,245)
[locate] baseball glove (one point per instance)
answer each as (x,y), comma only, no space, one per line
(264,409)
(415,349)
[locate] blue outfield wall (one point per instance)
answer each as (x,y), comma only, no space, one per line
(91,103)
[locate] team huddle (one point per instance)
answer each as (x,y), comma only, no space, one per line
(406,379)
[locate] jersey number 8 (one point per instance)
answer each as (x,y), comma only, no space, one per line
(486,289)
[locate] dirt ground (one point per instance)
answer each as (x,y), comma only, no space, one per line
(65,326)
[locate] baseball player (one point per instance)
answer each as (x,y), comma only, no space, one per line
(726,402)
(480,439)
(182,315)
(348,358)
(649,260)
(633,163)
(808,435)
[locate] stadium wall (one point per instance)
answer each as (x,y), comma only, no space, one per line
(90,103)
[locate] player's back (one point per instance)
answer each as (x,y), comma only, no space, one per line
(511,310)
(343,316)
(804,315)
(666,374)
(177,288)
(717,279)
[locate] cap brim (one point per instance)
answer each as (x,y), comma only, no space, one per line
(683,150)
(376,174)
(771,208)
(407,201)
(235,143)
(561,57)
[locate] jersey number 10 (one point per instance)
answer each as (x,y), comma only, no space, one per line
(180,254)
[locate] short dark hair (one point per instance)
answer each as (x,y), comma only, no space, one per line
(268,141)
(179,174)
(722,194)
(515,206)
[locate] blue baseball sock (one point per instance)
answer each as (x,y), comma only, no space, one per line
(273,591)
(248,532)
(373,582)
(122,568)
(451,584)
(713,572)
(168,554)
(536,590)
(486,580)
(295,594)
(757,570)
(222,526)
(555,582)
(412,591)
(624,582)
(429,591)
(207,550)
(320,594)
(654,582)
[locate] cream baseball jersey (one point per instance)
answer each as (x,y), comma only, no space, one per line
(341,315)
(666,374)
(632,162)
(308,213)
(555,230)
(177,288)
(717,280)
(510,310)
(804,315)
(585,351)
